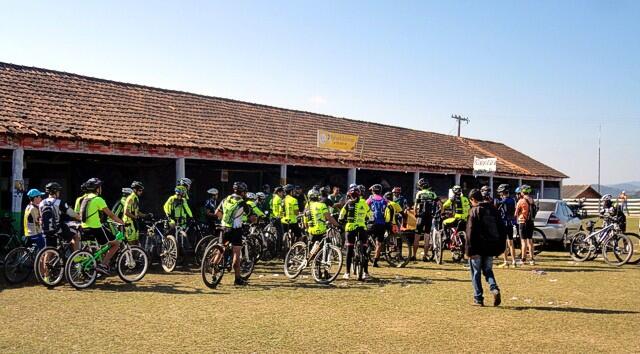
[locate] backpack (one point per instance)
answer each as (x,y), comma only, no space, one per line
(50,214)
(493,232)
(378,207)
(84,207)
(424,204)
(533,211)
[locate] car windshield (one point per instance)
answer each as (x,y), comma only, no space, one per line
(547,206)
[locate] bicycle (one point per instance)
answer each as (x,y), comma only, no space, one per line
(360,259)
(18,264)
(393,249)
(450,238)
(160,246)
(131,263)
(10,240)
(49,263)
(325,258)
(219,257)
(615,247)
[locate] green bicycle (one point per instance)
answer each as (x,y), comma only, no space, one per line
(131,263)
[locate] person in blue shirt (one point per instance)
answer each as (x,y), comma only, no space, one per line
(506,206)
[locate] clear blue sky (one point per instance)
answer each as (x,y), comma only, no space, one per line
(539,76)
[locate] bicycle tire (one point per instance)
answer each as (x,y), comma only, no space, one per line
(395,250)
(211,268)
(621,252)
(138,268)
(169,254)
(580,250)
(323,262)
(457,255)
(437,246)
(539,243)
(295,260)
(635,241)
(54,265)
(361,260)
(201,246)
(80,269)
(18,265)
(247,263)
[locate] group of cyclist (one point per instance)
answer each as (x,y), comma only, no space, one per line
(358,215)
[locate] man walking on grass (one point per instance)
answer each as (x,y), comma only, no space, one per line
(486,238)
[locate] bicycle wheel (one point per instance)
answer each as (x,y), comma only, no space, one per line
(539,241)
(18,265)
(635,241)
(169,254)
(580,248)
(397,250)
(201,246)
(617,249)
(295,260)
(132,264)
(436,244)
(457,254)
(327,264)
(247,262)
(360,259)
(49,266)
(80,269)
(428,254)
(212,268)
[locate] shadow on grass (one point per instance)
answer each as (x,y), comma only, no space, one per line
(571,269)
(155,288)
(571,309)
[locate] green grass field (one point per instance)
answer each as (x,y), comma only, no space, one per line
(573,307)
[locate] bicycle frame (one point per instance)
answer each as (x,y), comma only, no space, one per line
(98,255)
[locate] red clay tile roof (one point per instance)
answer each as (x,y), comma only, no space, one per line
(55,105)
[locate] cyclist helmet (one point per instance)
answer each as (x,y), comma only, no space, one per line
(261,196)
(313,194)
(362,189)
(457,190)
(423,183)
(181,191)
(526,189)
(352,185)
(184,182)
(83,188)
(266,188)
(289,188)
(353,193)
(388,196)
(251,196)
(127,191)
(92,184)
(137,185)
(397,190)
(503,188)
(239,187)
(518,190)
(606,200)
(376,188)
(52,187)
(486,191)
(278,189)
(212,191)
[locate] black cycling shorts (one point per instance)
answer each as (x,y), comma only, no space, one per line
(526,230)
(101,235)
(509,229)
(232,235)
(377,231)
(423,224)
(360,233)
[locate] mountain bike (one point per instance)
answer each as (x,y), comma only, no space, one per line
(18,264)
(50,261)
(615,247)
(218,257)
(396,249)
(131,263)
(360,259)
(450,238)
(325,258)
(9,241)
(160,246)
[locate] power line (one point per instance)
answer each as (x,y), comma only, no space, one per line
(460,119)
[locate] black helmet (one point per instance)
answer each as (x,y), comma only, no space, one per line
(93,183)
(137,185)
(289,188)
(376,188)
(266,188)
(362,189)
(83,188)
(239,187)
(503,188)
(353,193)
(388,196)
(423,183)
(52,187)
(278,189)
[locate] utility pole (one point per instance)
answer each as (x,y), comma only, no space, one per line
(599,137)
(460,119)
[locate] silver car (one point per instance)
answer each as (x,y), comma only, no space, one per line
(555,220)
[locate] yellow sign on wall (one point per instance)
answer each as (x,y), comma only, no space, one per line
(336,141)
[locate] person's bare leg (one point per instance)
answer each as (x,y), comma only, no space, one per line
(236,260)
(114,245)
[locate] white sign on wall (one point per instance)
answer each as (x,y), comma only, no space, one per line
(484,166)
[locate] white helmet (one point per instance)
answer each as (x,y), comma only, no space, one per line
(127,190)
(261,195)
(251,196)
(213,191)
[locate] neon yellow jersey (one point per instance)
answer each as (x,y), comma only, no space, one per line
(315,220)
(462,207)
(176,208)
(76,207)
(91,215)
(392,211)
(356,213)
(291,210)
(131,206)
(276,206)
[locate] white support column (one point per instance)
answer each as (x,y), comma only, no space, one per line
(416,177)
(491,186)
(560,189)
(519,182)
(351,177)
(541,189)
(180,173)
(283,174)
(17,166)
(458,178)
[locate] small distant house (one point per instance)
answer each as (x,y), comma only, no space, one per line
(577,191)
